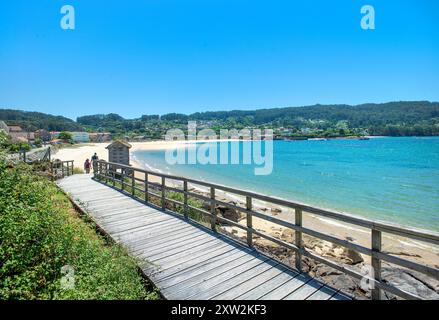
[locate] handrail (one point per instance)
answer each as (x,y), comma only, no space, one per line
(109,171)
(60,169)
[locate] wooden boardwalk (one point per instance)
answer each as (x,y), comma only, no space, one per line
(188,261)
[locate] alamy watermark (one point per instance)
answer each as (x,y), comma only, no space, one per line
(368,20)
(68,278)
(68,17)
(245,146)
(67,22)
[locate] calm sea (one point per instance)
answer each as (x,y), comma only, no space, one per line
(390,179)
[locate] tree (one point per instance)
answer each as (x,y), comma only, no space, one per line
(38,142)
(66,136)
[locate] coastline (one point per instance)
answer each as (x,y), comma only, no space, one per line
(411,249)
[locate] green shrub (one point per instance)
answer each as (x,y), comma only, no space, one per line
(77,170)
(40,233)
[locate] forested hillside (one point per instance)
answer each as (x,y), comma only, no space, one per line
(417,118)
(393,119)
(32,121)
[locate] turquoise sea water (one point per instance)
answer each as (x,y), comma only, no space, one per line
(390,179)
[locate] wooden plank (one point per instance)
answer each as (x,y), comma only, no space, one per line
(238,290)
(96,199)
(217,279)
(168,241)
(211,279)
(186,248)
(298,239)
(168,237)
(376,263)
(191,276)
(134,223)
(152,234)
(268,286)
(304,291)
(288,287)
(243,277)
(174,248)
(108,204)
(191,263)
(118,213)
(177,258)
(324,293)
(130,228)
(171,242)
(340,296)
(128,216)
(143,231)
(249,216)
(116,209)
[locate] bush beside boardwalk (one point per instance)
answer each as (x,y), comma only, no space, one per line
(40,232)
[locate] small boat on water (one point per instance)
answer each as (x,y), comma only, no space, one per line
(318,139)
(363,138)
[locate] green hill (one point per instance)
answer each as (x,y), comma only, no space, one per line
(404,118)
(32,121)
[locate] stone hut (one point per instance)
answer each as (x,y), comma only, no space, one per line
(119,152)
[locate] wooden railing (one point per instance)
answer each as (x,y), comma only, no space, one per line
(41,154)
(60,169)
(125,178)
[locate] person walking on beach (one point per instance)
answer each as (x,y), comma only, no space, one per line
(94,160)
(87,166)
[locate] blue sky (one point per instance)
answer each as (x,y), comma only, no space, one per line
(159,56)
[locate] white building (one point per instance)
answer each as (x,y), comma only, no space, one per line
(80,136)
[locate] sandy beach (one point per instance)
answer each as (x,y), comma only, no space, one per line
(406,248)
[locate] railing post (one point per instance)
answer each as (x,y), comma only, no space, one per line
(113,175)
(376,263)
(122,178)
(212,209)
(163,193)
(185,199)
(133,182)
(146,187)
(249,222)
(298,238)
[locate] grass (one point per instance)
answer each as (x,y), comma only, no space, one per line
(41,236)
(77,170)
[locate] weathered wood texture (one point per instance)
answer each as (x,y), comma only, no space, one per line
(185,260)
